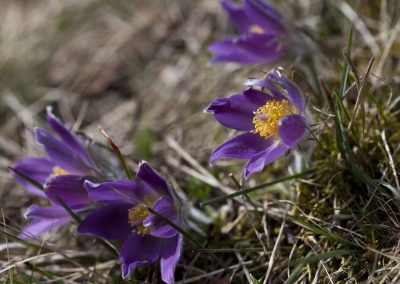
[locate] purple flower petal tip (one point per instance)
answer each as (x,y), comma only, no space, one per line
(292,129)
(90,185)
(37,169)
(147,174)
(69,188)
(219,105)
(244,146)
(67,137)
(257,163)
(43,219)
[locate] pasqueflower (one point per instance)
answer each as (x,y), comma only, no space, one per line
(61,174)
(263,38)
(272,117)
(126,216)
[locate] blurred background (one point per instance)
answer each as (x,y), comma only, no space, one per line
(140,70)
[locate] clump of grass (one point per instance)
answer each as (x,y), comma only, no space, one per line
(350,206)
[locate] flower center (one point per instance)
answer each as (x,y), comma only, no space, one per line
(257,29)
(267,117)
(138,213)
(58,171)
(142,230)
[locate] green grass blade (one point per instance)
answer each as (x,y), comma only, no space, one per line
(345,72)
(311,257)
(320,231)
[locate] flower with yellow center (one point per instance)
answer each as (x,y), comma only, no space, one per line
(127,216)
(139,213)
(271,112)
(266,118)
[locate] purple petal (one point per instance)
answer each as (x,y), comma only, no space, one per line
(237,15)
(53,212)
(293,92)
(36,228)
(170,257)
(67,136)
(246,49)
(151,178)
(292,129)
(257,97)
(43,219)
(139,250)
(268,85)
(38,169)
(166,207)
(259,161)
(122,191)
(109,222)
(244,146)
(265,16)
(59,153)
(70,189)
(234,112)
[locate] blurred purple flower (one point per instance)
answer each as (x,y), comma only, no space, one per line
(262,38)
(125,216)
(273,119)
(61,174)
(70,189)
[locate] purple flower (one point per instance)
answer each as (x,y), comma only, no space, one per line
(70,189)
(61,174)
(262,32)
(125,216)
(273,119)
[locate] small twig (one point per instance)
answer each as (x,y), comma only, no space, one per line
(81,116)
(5,236)
(359,97)
(245,270)
(276,247)
(352,15)
(117,152)
(391,161)
(388,46)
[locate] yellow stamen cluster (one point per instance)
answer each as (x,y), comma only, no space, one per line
(267,117)
(257,29)
(142,230)
(57,171)
(139,213)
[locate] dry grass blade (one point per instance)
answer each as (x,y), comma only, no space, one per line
(201,172)
(359,24)
(276,248)
(359,94)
